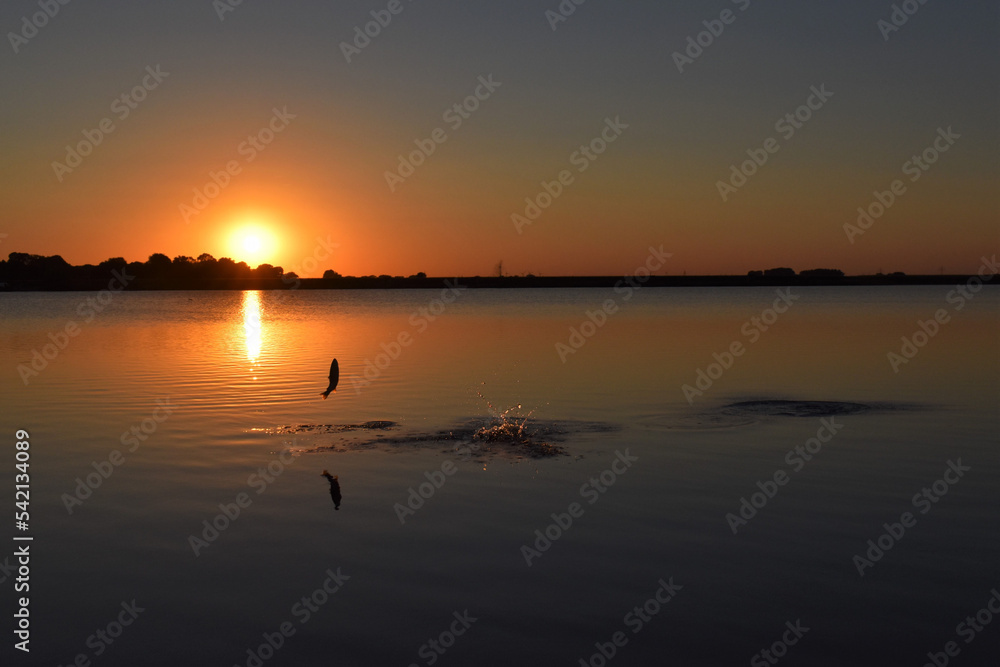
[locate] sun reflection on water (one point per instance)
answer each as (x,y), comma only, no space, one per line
(252,325)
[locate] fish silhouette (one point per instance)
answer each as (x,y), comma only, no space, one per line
(334,379)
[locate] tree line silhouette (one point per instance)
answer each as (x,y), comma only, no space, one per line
(25,272)
(790,273)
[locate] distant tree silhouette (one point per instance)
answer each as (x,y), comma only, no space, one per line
(157,270)
(158,261)
(780,273)
(268,272)
(822,273)
(24,271)
(112,264)
(40,271)
(329,274)
(182,271)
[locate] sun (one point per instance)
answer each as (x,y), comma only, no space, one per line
(252,243)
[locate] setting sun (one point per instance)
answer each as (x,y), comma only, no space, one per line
(253,244)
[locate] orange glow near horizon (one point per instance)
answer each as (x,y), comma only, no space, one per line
(292,203)
(253,242)
(253,145)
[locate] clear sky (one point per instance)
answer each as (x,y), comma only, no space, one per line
(607,65)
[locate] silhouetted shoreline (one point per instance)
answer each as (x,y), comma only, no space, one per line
(478,282)
(23,272)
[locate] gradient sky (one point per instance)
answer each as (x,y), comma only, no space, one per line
(324,175)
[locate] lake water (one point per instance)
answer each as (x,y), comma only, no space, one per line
(200,392)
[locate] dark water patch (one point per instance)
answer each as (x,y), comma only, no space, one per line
(478,438)
(331,428)
(749,412)
(694,422)
(794,408)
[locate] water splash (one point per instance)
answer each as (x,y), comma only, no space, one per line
(507,433)
(504,426)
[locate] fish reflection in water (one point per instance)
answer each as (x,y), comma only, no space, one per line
(334,489)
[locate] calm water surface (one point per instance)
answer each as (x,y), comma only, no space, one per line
(241,375)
